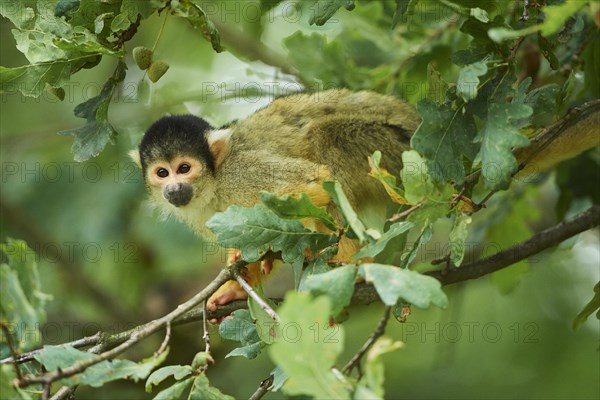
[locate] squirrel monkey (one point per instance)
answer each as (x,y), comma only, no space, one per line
(292,146)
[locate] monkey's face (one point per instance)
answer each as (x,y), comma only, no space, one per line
(176,179)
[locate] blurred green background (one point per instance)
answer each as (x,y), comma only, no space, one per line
(111,263)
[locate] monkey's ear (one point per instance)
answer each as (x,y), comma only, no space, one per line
(218,143)
(135,156)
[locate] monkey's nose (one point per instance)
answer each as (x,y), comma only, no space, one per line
(179,194)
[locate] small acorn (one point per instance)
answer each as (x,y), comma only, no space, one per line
(157,69)
(142,57)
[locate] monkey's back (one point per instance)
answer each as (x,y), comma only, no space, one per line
(337,129)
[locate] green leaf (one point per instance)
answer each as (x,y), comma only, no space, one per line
(323,10)
(64,8)
(23,302)
(175,391)
(7,387)
(195,15)
(481,46)
(120,22)
(288,207)
(591,57)
(319,62)
(393,283)
(376,247)
(593,305)
(241,328)
(133,8)
(31,80)
(556,15)
(420,188)
(256,230)
(318,265)
(468,80)
(544,102)
(424,238)
(443,138)
(374,375)
(457,237)
(437,85)
(499,136)
(279,378)
(63,356)
(266,327)
(201,390)
(338,284)
(177,371)
(387,180)
(201,359)
(97,132)
(343,204)
(479,14)
(308,347)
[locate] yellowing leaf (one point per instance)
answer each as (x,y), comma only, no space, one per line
(387,180)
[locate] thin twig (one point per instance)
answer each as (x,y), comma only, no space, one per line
(252,293)
(12,349)
(263,388)
(63,393)
(404,213)
(46,391)
(205,335)
(160,31)
(139,334)
(103,341)
(377,333)
(165,342)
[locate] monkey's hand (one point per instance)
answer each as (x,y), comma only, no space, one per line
(231,290)
(228,292)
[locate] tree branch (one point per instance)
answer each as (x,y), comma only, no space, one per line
(263,388)
(138,334)
(377,333)
(363,294)
(586,115)
(540,241)
(252,293)
(243,44)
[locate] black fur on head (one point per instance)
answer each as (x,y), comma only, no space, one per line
(174,136)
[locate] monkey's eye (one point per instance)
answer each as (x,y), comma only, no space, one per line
(162,173)
(184,169)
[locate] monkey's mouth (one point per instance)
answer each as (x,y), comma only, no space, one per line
(178,195)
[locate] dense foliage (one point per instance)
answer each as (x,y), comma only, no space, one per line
(485,76)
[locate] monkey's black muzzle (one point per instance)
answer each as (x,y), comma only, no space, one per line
(179,194)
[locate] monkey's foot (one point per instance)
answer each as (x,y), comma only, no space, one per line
(228,292)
